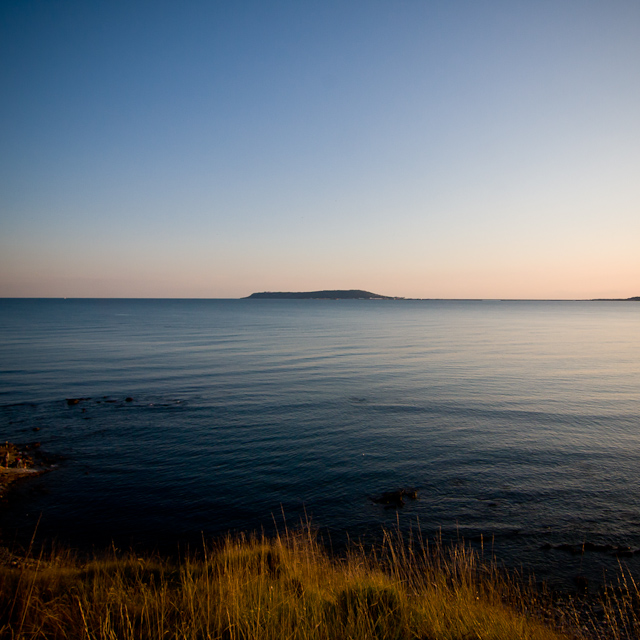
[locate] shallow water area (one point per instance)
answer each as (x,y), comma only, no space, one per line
(517,422)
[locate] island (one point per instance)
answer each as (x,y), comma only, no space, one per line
(339,294)
(634,299)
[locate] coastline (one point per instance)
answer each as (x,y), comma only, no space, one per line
(18,462)
(289,585)
(365,585)
(242,407)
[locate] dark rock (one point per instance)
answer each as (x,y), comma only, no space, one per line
(73,401)
(573,549)
(578,549)
(396,498)
(624,552)
(392,498)
(602,548)
(128,399)
(582,582)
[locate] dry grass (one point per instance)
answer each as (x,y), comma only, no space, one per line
(287,587)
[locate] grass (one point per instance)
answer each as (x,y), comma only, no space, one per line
(287,587)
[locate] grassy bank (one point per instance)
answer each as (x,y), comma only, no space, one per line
(287,587)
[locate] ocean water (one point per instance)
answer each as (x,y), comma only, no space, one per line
(517,422)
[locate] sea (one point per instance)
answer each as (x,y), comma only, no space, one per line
(516,422)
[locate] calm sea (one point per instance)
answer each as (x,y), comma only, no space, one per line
(515,421)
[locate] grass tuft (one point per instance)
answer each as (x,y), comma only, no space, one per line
(289,587)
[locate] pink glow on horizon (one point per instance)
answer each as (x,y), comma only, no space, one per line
(447,150)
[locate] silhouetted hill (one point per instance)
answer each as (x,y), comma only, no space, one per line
(339,294)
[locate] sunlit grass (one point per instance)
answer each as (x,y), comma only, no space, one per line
(286,587)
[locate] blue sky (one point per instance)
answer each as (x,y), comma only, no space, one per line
(415,148)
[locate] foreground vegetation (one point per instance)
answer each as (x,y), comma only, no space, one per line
(287,587)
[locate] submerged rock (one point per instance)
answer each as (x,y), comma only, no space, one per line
(581,582)
(73,401)
(395,498)
(583,547)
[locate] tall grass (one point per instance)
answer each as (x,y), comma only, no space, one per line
(285,587)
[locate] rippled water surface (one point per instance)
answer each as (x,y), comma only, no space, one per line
(515,421)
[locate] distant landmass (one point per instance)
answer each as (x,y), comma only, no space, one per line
(359,294)
(340,294)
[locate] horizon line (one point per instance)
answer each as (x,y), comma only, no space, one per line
(381,299)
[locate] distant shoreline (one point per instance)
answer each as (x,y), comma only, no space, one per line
(327,294)
(359,294)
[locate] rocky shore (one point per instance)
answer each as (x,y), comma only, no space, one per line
(20,461)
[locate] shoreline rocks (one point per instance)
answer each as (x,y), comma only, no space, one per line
(583,547)
(20,461)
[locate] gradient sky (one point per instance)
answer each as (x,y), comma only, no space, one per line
(415,148)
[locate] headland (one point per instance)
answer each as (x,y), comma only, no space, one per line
(337,294)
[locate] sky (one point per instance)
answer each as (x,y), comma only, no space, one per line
(417,148)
